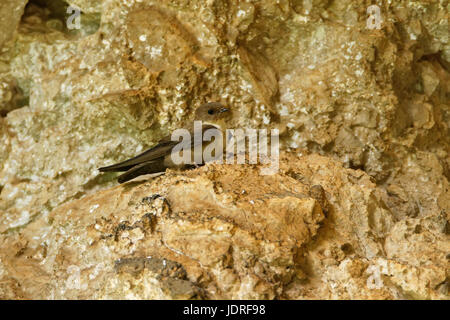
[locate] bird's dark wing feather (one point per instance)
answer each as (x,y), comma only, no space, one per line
(148,167)
(163,148)
(160,150)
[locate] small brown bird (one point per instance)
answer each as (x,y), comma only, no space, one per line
(158,158)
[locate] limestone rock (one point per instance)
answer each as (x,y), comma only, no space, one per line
(10,13)
(369,219)
(225,231)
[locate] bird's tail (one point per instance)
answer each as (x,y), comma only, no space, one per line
(153,166)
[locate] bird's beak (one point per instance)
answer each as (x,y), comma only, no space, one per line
(222,110)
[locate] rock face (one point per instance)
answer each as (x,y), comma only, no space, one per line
(368,218)
(314,230)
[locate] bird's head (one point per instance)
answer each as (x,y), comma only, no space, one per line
(213,113)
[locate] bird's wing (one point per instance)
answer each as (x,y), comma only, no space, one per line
(163,148)
(160,150)
(153,166)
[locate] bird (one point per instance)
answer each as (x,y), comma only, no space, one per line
(213,115)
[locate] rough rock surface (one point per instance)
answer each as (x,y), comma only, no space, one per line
(369,218)
(314,230)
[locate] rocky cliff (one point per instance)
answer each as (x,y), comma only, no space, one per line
(359,208)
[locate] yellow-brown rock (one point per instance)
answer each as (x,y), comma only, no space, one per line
(361,212)
(225,231)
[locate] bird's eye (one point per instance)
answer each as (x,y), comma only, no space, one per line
(210,111)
